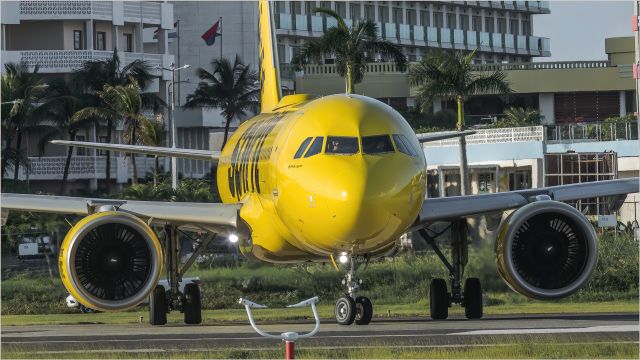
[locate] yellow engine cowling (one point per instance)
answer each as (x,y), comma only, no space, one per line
(546,250)
(110,261)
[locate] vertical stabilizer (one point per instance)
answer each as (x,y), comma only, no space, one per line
(269,68)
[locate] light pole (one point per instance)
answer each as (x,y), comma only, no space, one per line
(172,127)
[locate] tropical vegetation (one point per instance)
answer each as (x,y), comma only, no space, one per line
(231,87)
(449,75)
(352,47)
(517,117)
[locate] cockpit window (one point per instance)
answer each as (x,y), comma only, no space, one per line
(302,148)
(315,148)
(376,144)
(403,145)
(341,145)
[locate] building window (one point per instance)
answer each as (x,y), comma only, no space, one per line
(519,180)
(296,7)
(309,7)
(80,151)
(383,14)
(451,21)
(526,28)
(424,18)
(411,17)
(437,19)
(341,9)
(370,12)
(397,16)
(488,24)
(464,22)
(355,11)
(101,40)
(502,25)
(128,42)
(514,27)
(477,23)
(77,40)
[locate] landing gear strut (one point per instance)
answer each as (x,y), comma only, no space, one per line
(188,301)
(439,299)
(351,308)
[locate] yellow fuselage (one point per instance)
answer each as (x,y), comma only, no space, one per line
(309,207)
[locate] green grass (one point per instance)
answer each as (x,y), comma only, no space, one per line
(238,314)
(547,350)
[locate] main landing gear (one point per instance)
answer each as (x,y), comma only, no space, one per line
(470,297)
(187,301)
(351,308)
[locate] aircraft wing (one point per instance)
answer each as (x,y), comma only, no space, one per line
(194,154)
(214,217)
(446,208)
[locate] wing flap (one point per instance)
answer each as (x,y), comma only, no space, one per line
(193,154)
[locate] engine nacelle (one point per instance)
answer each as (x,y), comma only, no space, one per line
(110,261)
(546,250)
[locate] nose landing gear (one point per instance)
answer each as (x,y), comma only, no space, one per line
(351,308)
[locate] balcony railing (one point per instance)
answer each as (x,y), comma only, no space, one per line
(583,132)
(99,10)
(492,136)
(64,61)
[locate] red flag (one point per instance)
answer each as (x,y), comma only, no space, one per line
(210,35)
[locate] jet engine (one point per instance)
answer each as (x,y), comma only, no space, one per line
(110,261)
(546,250)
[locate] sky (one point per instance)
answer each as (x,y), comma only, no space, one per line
(577,29)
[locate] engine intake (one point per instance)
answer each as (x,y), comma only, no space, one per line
(546,250)
(110,261)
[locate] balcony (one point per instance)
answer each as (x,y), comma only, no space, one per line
(492,136)
(458,38)
(586,132)
(131,11)
(301,22)
(418,33)
(521,44)
(472,39)
(496,42)
(405,33)
(65,61)
(390,31)
(445,38)
(285,22)
(432,36)
(316,23)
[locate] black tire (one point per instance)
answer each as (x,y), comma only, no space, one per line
(345,310)
(191,304)
(364,310)
(472,298)
(158,306)
(438,299)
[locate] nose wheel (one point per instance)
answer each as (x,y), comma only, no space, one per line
(349,307)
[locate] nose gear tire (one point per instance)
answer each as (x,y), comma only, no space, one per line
(364,310)
(345,310)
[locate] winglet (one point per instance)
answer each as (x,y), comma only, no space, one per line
(269,66)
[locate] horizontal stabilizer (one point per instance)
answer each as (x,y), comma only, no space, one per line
(444,135)
(193,154)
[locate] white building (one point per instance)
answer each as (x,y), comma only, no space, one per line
(60,36)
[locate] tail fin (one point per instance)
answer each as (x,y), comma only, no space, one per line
(269,68)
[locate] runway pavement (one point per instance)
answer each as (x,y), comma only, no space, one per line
(409,332)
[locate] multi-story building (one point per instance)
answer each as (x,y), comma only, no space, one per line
(59,36)
(500,31)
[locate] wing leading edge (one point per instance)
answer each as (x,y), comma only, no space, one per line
(436,209)
(193,154)
(208,216)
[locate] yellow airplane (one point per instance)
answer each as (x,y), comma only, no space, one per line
(336,179)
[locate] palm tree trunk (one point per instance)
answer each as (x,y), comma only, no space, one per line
(67,163)
(464,166)
(226,131)
(108,153)
(134,168)
(349,80)
(18,151)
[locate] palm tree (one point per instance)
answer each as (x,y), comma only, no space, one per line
(63,102)
(352,48)
(449,75)
(153,134)
(233,88)
(20,95)
(94,75)
(120,102)
(517,116)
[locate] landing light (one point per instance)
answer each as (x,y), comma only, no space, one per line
(233,238)
(343,258)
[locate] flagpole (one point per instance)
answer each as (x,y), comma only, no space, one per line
(220,37)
